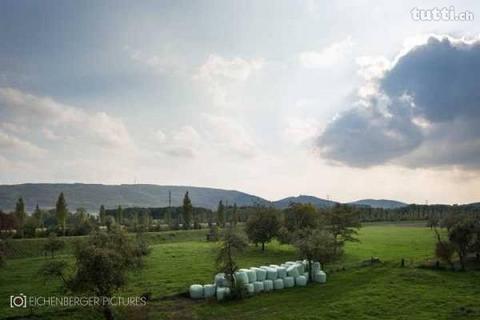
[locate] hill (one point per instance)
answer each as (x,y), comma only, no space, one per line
(317,202)
(91,196)
(381,203)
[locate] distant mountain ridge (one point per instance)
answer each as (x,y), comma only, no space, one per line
(379,203)
(317,202)
(91,196)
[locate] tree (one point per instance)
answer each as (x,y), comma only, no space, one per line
(20,215)
(221,214)
(119,215)
(102,214)
(343,221)
(61,212)
(262,226)
(231,245)
(315,245)
(300,216)
(38,216)
(461,236)
(444,250)
(53,244)
(101,266)
(234,215)
(187,211)
(3,252)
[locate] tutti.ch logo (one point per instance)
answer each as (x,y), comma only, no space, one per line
(18,301)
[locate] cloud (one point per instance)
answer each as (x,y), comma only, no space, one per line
(300,130)
(421,110)
(164,61)
(213,135)
(229,136)
(10,144)
(61,120)
(221,76)
(326,57)
(183,142)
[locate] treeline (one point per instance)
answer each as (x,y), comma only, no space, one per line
(63,221)
(415,212)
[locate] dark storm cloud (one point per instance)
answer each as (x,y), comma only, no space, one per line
(430,115)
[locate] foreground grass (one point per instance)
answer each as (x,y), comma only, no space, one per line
(379,292)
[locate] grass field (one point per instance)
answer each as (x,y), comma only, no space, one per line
(384,291)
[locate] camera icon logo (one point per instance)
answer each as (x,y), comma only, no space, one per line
(18,301)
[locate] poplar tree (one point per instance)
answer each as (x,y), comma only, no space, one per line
(61,212)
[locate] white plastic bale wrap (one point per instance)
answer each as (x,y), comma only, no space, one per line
(292,271)
(281,272)
(258,286)
(267,285)
(300,267)
(316,267)
(290,262)
(320,277)
(261,274)
(220,280)
(301,281)
(250,288)
(289,282)
(278,284)
(209,290)
(241,277)
(271,273)
(222,293)
(196,291)
(252,276)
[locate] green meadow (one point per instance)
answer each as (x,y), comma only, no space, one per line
(353,290)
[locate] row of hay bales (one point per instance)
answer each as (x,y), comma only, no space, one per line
(261,279)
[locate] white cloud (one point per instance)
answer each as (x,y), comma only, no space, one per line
(301,130)
(221,76)
(61,120)
(183,142)
(229,136)
(327,57)
(19,147)
(164,61)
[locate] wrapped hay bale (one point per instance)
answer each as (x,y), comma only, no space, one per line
(220,280)
(261,274)
(300,267)
(281,272)
(289,282)
(252,276)
(301,281)
(316,267)
(320,277)
(274,266)
(222,293)
(196,291)
(209,290)
(241,277)
(258,286)
(292,271)
(271,274)
(278,284)
(289,262)
(268,285)
(249,288)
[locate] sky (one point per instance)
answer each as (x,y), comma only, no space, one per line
(338,99)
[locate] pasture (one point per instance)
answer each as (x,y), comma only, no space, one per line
(178,259)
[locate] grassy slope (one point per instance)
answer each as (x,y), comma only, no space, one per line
(386,292)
